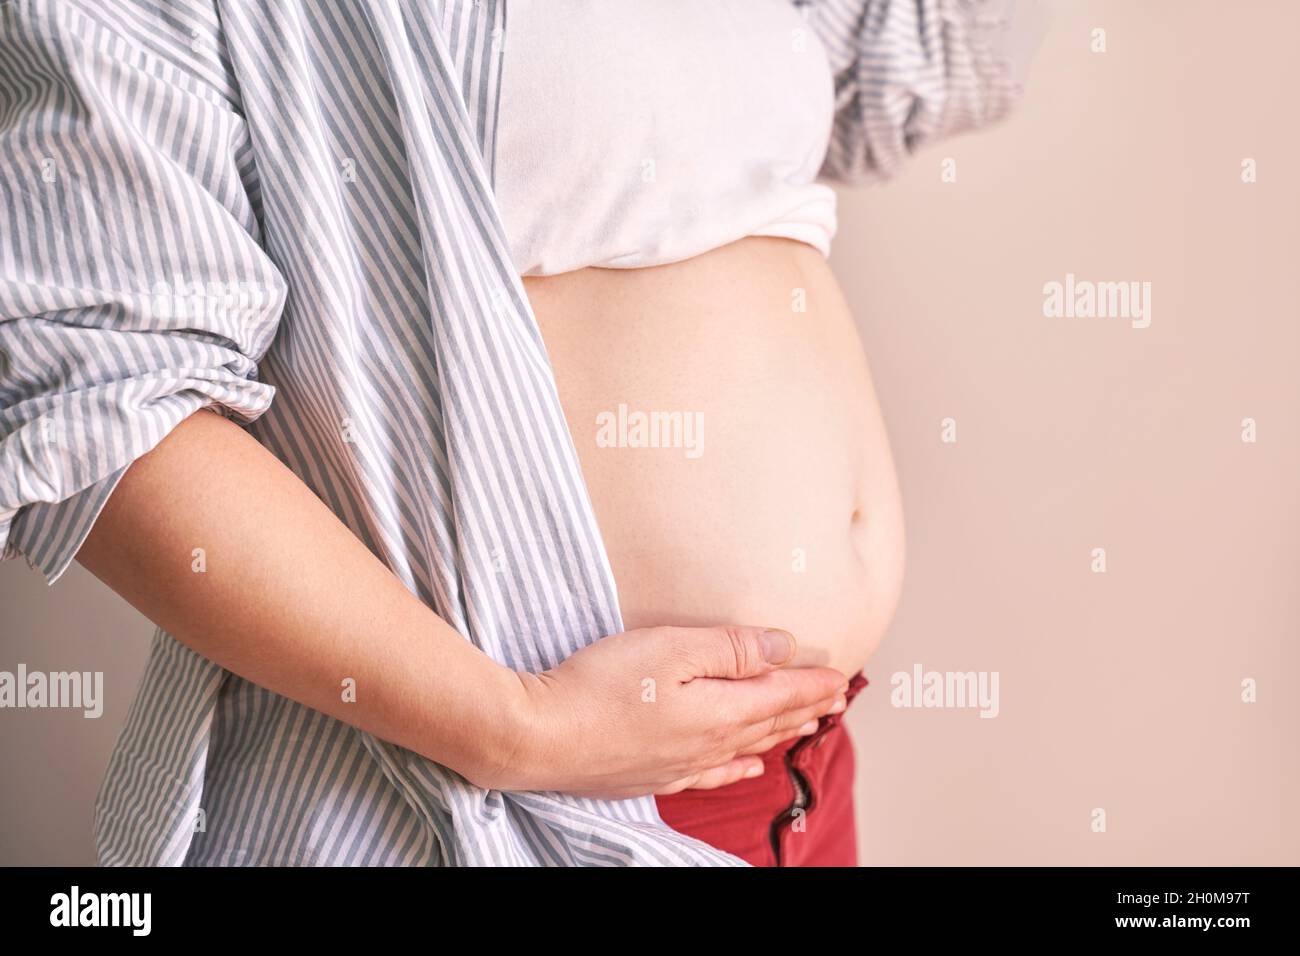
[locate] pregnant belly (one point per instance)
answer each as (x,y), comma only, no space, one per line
(732,445)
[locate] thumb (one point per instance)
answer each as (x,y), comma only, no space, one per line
(734,651)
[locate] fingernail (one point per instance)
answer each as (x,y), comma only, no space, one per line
(808,728)
(754,771)
(838,706)
(777,646)
(844,689)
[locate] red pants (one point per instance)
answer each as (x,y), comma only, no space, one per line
(798,812)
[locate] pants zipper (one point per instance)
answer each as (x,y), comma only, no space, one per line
(801,802)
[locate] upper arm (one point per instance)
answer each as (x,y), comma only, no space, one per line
(133,287)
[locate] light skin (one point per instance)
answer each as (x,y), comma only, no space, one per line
(291,600)
(790,513)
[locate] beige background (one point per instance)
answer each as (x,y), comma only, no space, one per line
(1119,691)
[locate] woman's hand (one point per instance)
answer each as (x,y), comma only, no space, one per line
(296,603)
(663,709)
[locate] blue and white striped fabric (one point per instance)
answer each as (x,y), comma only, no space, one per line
(283,209)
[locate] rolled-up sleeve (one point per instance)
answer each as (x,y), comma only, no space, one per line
(910,72)
(133,286)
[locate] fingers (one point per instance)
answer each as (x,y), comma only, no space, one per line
(732,652)
(778,693)
(772,740)
(797,723)
(748,761)
(740,768)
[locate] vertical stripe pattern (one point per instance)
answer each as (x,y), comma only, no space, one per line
(183,184)
(910,72)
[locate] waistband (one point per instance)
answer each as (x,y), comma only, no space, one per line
(830,723)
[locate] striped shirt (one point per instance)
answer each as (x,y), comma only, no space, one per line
(283,209)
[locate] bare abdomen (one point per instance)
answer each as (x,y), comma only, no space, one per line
(731,441)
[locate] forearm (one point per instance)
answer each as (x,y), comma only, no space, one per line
(291,600)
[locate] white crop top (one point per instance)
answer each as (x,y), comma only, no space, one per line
(636,133)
